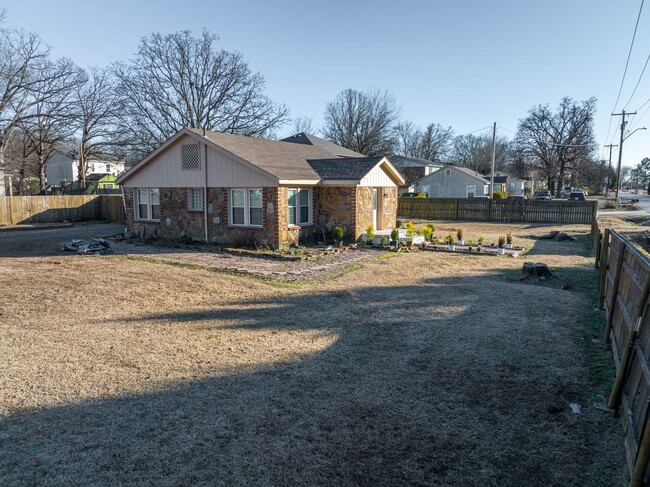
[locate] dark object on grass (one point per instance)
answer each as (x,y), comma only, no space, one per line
(96,246)
(539,272)
(559,236)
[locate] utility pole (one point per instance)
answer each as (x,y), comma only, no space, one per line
(609,172)
(494,157)
(620,152)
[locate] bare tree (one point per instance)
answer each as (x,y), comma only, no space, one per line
(475,152)
(177,80)
(407,139)
(99,110)
(50,121)
(362,121)
(303,124)
(435,142)
(557,139)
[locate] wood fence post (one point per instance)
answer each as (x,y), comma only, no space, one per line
(457,201)
(642,456)
(637,319)
(617,279)
(602,277)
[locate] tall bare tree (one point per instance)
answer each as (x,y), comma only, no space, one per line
(560,138)
(362,121)
(177,80)
(303,124)
(435,142)
(100,106)
(50,121)
(475,152)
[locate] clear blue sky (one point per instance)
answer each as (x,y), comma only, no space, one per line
(464,63)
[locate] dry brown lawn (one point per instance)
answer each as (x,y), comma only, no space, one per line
(418,369)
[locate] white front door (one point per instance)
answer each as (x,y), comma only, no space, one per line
(374,208)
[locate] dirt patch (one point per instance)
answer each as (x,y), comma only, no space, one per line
(419,369)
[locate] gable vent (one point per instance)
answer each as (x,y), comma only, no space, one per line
(190,157)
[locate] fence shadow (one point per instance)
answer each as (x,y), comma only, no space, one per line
(422,387)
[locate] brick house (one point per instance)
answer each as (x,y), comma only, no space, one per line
(230,188)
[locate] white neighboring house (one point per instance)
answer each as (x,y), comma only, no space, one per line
(64,168)
(515,185)
(453,182)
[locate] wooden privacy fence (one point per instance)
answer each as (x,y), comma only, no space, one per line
(624,290)
(15,210)
(483,209)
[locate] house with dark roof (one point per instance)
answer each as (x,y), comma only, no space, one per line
(453,182)
(229,188)
(501,182)
(413,169)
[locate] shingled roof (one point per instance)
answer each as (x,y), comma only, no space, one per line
(344,169)
(405,161)
(309,139)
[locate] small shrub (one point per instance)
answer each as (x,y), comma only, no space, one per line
(500,195)
(398,224)
(245,238)
(470,243)
(338,233)
(502,241)
(383,239)
(481,240)
(370,234)
(609,204)
(435,241)
(410,228)
(509,238)
(459,234)
(394,235)
(427,232)
(449,239)
(433,229)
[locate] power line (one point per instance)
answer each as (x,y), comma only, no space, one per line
(638,81)
(479,130)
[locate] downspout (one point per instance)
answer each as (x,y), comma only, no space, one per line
(205,192)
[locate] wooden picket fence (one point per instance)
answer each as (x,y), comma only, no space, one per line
(504,211)
(16,210)
(624,289)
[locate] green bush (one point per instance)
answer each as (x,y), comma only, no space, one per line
(500,195)
(370,234)
(609,204)
(410,228)
(502,242)
(459,234)
(481,240)
(338,233)
(398,224)
(509,238)
(427,232)
(394,235)
(449,239)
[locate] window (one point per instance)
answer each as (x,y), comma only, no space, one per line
(447,172)
(108,168)
(299,204)
(147,203)
(471,190)
(190,157)
(195,197)
(246,207)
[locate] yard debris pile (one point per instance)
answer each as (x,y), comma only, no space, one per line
(559,236)
(95,246)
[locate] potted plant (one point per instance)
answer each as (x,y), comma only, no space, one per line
(370,234)
(470,244)
(427,232)
(500,245)
(338,235)
(450,242)
(459,234)
(480,243)
(383,240)
(398,224)
(394,236)
(508,241)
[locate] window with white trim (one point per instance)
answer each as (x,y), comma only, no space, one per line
(195,199)
(147,204)
(246,207)
(471,190)
(299,204)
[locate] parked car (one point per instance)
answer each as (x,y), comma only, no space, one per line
(543,194)
(516,197)
(577,196)
(566,192)
(414,195)
(482,197)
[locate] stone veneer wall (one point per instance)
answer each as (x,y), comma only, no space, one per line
(336,206)
(389,207)
(364,209)
(386,205)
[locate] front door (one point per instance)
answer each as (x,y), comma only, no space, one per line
(374,208)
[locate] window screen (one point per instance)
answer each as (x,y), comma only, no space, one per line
(190,157)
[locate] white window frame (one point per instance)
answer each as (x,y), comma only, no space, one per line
(191,199)
(247,208)
(150,192)
(296,209)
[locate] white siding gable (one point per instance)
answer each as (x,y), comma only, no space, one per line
(449,183)
(377,178)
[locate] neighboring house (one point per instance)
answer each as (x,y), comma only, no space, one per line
(501,183)
(100,181)
(413,169)
(515,185)
(453,182)
(63,168)
(229,188)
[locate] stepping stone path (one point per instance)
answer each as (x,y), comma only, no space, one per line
(277,269)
